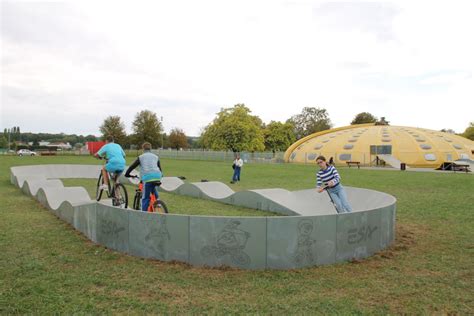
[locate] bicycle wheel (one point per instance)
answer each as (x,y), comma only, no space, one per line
(120,198)
(98,191)
(137,201)
(160,207)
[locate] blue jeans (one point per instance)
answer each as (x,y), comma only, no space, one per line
(338,195)
(149,188)
(236,176)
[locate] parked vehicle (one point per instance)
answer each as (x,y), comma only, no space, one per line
(26,152)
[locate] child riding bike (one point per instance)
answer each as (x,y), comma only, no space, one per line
(150,173)
(115,157)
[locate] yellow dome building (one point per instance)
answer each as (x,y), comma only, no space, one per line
(417,147)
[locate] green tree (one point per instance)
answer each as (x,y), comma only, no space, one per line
(311,120)
(146,128)
(448,130)
(234,129)
(382,121)
(3,141)
(177,139)
(363,117)
(114,126)
(469,132)
(90,138)
(279,136)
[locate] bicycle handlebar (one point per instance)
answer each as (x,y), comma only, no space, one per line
(132,176)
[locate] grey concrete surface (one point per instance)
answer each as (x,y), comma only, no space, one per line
(85,220)
(31,187)
(301,241)
(228,241)
(157,236)
(112,227)
(214,190)
(313,234)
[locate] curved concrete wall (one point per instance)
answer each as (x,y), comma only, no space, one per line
(314,235)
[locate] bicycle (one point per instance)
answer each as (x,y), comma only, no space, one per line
(117,191)
(156,205)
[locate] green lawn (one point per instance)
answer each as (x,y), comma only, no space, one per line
(48,267)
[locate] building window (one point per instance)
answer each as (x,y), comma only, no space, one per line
(430,157)
(312,156)
(348,146)
(345,157)
(425,146)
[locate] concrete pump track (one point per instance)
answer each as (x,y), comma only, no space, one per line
(310,233)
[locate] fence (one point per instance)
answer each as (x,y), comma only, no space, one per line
(255,157)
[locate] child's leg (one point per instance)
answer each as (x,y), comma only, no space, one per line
(148,187)
(155,190)
(343,197)
(105,176)
(336,200)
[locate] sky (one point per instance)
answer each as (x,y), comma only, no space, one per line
(66,66)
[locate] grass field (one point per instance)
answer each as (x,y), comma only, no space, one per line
(47,267)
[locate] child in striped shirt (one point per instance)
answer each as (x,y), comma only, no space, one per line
(331,179)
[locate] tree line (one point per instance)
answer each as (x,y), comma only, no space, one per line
(146,127)
(233,128)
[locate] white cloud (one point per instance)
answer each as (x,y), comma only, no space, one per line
(185,60)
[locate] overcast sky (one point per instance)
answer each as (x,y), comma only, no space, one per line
(66,66)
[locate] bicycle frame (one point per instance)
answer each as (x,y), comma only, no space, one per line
(116,190)
(153,199)
(113,181)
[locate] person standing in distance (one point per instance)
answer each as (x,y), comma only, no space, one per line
(237,166)
(329,176)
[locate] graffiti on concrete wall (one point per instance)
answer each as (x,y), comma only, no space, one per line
(361,234)
(231,242)
(304,252)
(158,237)
(111,228)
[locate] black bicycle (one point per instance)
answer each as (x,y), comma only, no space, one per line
(156,205)
(117,191)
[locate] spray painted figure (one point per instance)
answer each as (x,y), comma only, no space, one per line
(304,247)
(158,237)
(230,241)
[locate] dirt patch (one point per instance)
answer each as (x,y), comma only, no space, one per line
(405,239)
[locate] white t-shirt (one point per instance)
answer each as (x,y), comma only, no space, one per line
(239,162)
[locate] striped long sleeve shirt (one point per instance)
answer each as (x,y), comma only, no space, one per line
(324,176)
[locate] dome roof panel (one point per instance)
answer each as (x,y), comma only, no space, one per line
(408,144)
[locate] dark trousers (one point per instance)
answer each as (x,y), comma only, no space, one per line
(236,176)
(149,188)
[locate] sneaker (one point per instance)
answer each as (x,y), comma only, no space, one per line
(104,187)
